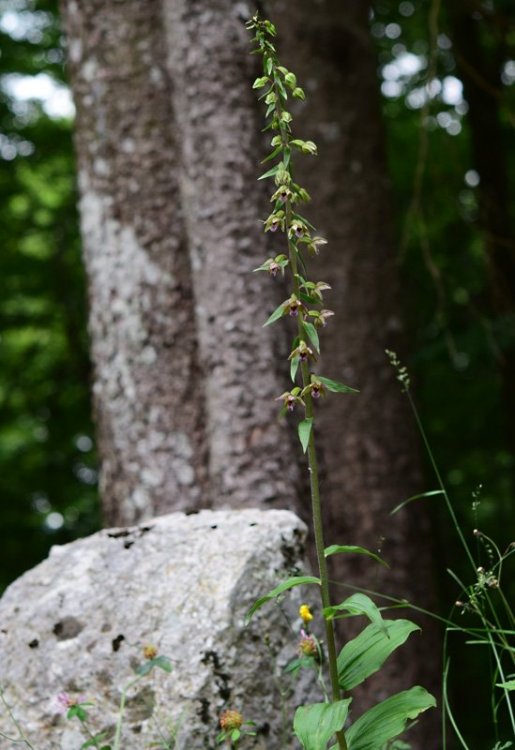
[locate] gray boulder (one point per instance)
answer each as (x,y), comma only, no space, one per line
(79,621)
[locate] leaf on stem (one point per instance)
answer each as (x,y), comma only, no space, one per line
(416,497)
(357,604)
(271,172)
(277,313)
(160,662)
(311,332)
(388,719)
(336,549)
(366,654)
(304,430)
(284,586)
(335,386)
(314,725)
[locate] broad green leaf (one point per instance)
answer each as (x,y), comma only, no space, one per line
(415,497)
(304,430)
(335,549)
(335,386)
(388,719)
(312,333)
(277,313)
(366,654)
(509,685)
(357,604)
(284,586)
(314,725)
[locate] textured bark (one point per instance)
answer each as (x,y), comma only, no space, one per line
(370,452)
(147,389)
(251,458)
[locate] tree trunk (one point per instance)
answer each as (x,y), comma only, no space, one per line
(185,374)
(147,389)
(251,459)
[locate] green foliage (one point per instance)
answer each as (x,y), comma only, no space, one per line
(388,719)
(47,457)
(366,654)
(278,590)
(314,725)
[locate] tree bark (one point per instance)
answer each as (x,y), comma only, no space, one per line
(251,458)
(148,393)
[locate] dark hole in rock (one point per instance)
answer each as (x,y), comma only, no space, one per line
(253,524)
(68,627)
(128,545)
(204,711)
(34,643)
(214,526)
(117,642)
(119,534)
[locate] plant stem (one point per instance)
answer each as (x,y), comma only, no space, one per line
(316,505)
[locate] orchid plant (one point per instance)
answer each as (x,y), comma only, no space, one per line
(319,724)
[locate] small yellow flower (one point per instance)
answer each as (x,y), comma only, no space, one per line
(305,613)
(150,652)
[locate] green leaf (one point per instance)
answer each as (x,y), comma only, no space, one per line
(294,366)
(277,313)
(336,549)
(416,497)
(366,654)
(357,604)
(274,153)
(284,586)
(268,65)
(160,662)
(311,331)
(270,172)
(95,741)
(314,725)
(260,82)
(510,685)
(388,719)
(304,430)
(335,386)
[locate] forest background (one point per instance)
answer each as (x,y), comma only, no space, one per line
(452,176)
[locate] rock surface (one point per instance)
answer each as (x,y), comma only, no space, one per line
(79,621)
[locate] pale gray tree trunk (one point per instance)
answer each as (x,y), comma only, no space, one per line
(250,452)
(148,393)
